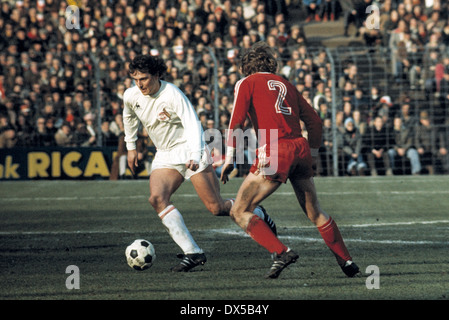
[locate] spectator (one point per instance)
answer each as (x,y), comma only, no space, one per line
(313,10)
(329,10)
(360,100)
(415,60)
(425,136)
(324,111)
(319,96)
(8,138)
(442,146)
(51,128)
(223,121)
(89,128)
(442,108)
(324,167)
(351,76)
(385,109)
(402,147)
(109,138)
(41,137)
(359,121)
(24,130)
(352,149)
(64,136)
(429,68)
(357,16)
(377,141)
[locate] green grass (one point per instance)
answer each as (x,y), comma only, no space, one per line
(399,224)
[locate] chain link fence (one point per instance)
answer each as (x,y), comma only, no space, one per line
(360,84)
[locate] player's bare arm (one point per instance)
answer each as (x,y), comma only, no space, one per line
(228,165)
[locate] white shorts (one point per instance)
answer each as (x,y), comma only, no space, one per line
(159,163)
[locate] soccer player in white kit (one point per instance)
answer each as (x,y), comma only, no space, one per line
(173,126)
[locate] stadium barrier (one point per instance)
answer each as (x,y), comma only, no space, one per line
(52,163)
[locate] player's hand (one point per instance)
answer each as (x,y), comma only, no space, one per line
(225,171)
(133,161)
(192,165)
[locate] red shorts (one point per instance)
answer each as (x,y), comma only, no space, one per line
(290,158)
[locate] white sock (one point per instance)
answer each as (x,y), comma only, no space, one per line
(174,223)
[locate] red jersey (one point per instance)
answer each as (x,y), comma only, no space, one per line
(272,102)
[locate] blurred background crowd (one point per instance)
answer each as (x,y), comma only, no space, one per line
(50,56)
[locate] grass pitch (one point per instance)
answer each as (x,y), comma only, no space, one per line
(399,225)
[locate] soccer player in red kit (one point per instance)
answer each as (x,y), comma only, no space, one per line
(275,107)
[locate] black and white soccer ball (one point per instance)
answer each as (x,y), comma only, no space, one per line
(140,254)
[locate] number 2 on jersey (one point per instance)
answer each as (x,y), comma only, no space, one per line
(282,91)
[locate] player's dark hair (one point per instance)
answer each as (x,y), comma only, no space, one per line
(259,58)
(148,64)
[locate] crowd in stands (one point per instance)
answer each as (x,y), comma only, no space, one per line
(49,54)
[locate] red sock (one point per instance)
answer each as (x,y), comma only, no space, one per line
(262,234)
(333,239)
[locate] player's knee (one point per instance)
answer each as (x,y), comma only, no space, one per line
(156,201)
(315,215)
(216,209)
(236,215)
(233,214)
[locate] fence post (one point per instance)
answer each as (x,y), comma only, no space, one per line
(97,99)
(334,113)
(216,104)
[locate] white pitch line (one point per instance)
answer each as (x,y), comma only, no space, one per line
(74,198)
(310,239)
(236,232)
(193,195)
(387,224)
(43,233)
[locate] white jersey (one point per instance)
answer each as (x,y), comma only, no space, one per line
(170,120)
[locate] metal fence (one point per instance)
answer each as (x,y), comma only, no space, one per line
(364,82)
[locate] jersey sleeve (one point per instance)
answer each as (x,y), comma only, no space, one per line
(193,131)
(130,122)
(312,121)
(242,102)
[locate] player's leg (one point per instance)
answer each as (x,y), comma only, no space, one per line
(207,187)
(254,189)
(307,197)
(163,183)
(305,192)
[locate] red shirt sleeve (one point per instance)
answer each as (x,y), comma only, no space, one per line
(240,110)
(312,121)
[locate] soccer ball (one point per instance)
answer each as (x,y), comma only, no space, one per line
(140,254)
